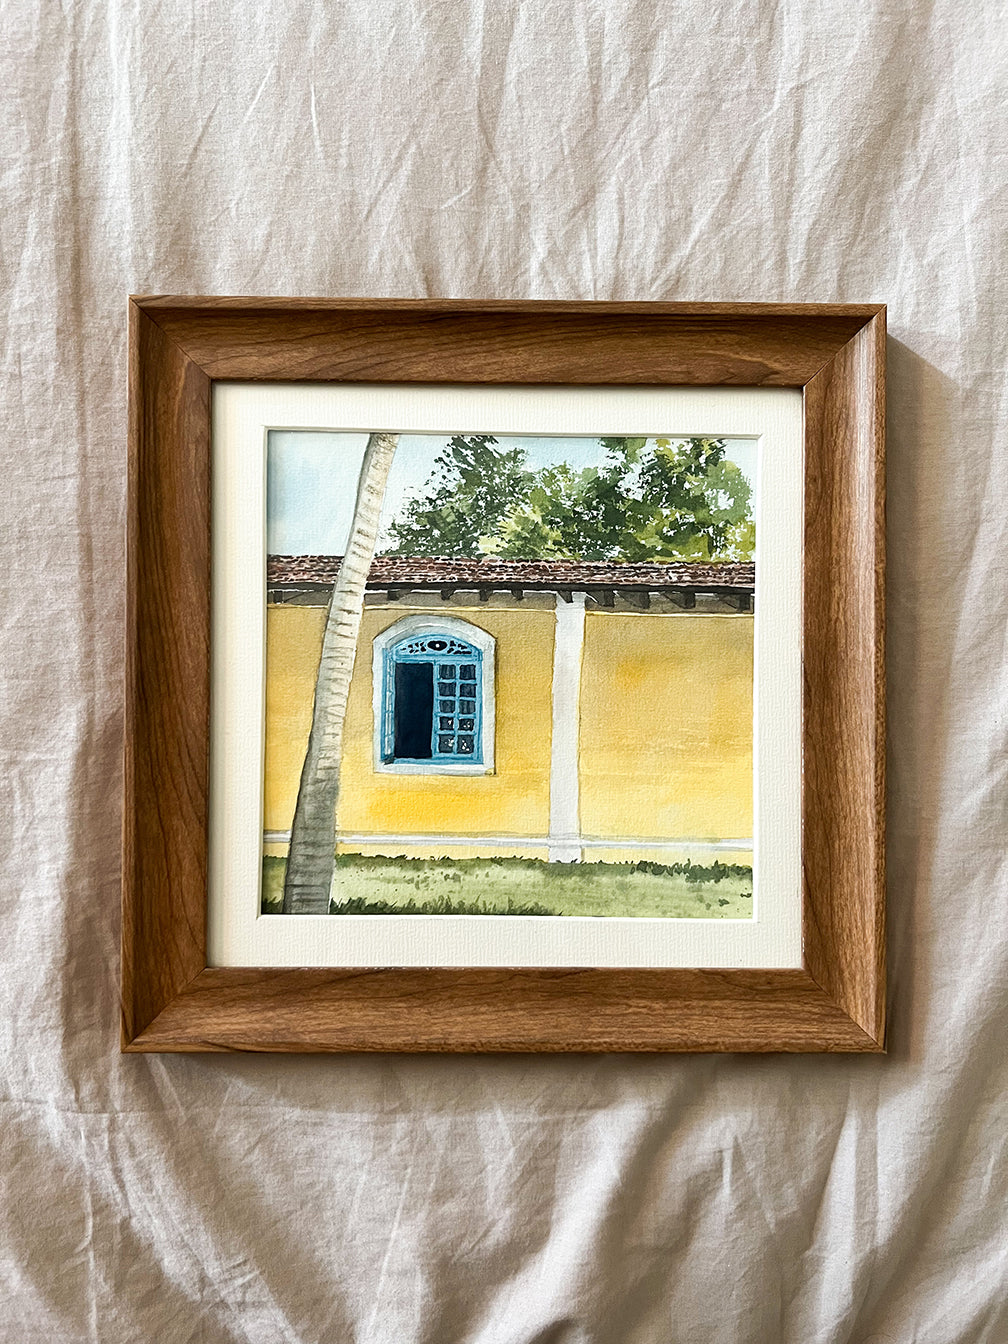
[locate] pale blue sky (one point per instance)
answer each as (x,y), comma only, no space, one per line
(311,479)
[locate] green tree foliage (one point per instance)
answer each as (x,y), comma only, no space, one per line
(471,488)
(698,503)
(649,499)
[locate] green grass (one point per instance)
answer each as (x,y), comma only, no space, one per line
(380,886)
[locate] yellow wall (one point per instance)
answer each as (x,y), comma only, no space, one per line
(666,726)
(514,800)
(293,650)
(666,729)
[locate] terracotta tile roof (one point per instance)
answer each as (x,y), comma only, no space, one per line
(393,570)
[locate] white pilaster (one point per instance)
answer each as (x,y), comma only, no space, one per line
(565,822)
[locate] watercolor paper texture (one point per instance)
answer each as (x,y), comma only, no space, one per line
(517,669)
(537,696)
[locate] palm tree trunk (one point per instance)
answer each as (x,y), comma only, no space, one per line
(313,833)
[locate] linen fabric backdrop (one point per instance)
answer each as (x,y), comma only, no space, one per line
(785,151)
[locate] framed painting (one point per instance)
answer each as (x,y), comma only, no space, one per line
(504,676)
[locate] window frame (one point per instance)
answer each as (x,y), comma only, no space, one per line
(428,626)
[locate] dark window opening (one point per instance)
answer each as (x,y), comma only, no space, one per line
(414,710)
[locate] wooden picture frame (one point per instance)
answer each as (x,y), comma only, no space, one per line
(171,999)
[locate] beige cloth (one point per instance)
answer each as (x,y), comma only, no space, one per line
(828,151)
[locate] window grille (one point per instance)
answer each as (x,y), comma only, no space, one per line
(432,700)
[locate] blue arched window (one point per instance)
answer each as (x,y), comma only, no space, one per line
(433,700)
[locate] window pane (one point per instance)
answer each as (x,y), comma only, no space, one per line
(467,706)
(446,688)
(447,724)
(465,725)
(468,671)
(444,744)
(447,671)
(448,707)
(466,746)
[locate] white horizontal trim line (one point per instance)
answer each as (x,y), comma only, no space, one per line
(530,841)
(431,768)
(596,842)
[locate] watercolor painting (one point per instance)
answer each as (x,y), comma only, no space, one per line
(509,675)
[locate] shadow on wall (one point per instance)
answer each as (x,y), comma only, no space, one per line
(931,464)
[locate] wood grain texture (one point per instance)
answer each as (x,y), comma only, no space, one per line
(171,1001)
(503,1010)
(653,344)
(167,675)
(284,305)
(843,843)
